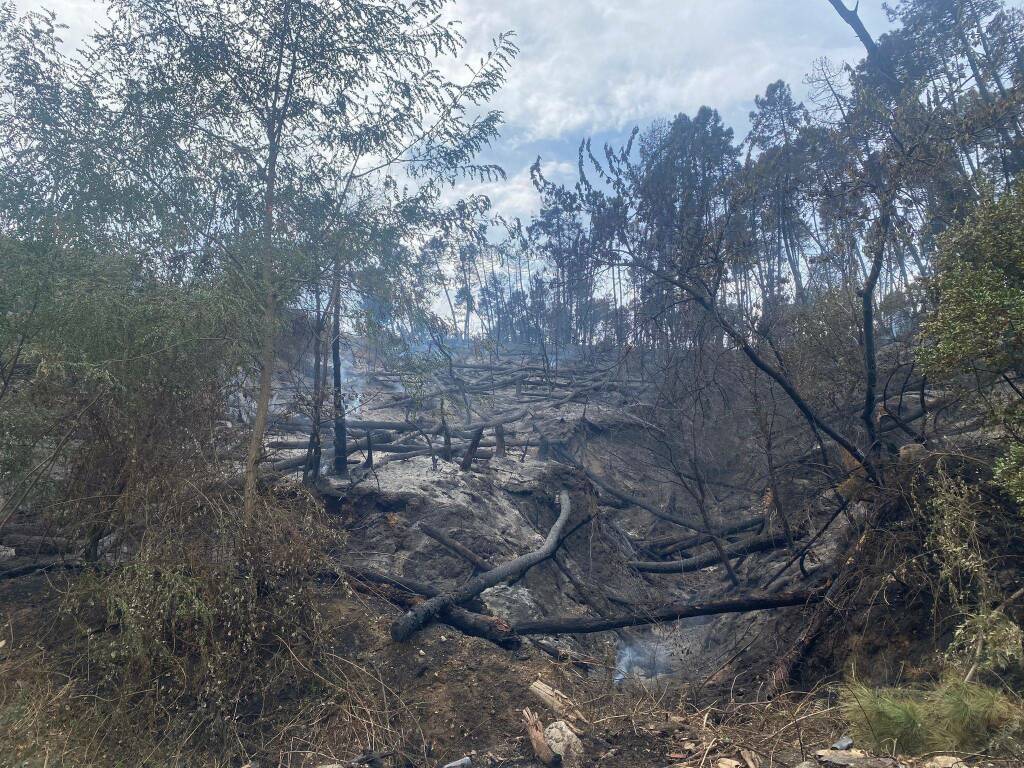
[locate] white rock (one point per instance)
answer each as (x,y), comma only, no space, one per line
(852,758)
(945,761)
(565,743)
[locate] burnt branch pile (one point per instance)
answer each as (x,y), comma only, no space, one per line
(689,538)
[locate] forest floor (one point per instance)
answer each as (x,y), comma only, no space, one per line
(445,696)
(694,694)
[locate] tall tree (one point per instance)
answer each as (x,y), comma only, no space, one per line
(286,86)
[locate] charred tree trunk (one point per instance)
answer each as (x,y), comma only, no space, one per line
(368,463)
(446,435)
(403,628)
(757,544)
(499,440)
(451,545)
(474,443)
(311,472)
(867,294)
(340,448)
(580,626)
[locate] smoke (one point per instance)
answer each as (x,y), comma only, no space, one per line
(653,654)
(351,385)
(642,659)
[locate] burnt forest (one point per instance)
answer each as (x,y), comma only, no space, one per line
(486,384)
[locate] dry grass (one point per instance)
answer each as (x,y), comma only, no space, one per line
(206,647)
(49,720)
(658,716)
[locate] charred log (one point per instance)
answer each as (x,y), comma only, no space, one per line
(755,602)
(407,625)
(757,544)
(453,546)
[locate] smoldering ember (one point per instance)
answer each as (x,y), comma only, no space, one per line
(374,393)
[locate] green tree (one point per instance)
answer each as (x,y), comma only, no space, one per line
(284,88)
(977,329)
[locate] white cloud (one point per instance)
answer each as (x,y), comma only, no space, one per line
(598,65)
(516,195)
(602,66)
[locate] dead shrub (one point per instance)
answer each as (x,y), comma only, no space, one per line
(210,631)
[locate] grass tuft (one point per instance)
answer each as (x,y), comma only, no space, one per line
(951,716)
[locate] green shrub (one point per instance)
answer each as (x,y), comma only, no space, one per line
(952,716)
(887,718)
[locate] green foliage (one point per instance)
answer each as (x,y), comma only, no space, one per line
(886,718)
(980,317)
(978,325)
(988,638)
(108,375)
(1010,471)
(962,526)
(954,511)
(951,716)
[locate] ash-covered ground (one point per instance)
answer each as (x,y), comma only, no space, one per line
(579,428)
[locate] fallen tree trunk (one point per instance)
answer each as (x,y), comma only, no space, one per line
(672,544)
(400,592)
(392,457)
(358,440)
(756,544)
(490,422)
(289,465)
(40,545)
(581,626)
(460,387)
(372,424)
(362,445)
(407,625)
(452,545)
(33,568)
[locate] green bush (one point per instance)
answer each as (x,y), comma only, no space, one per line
(976,334)
(951,716)
(118,383)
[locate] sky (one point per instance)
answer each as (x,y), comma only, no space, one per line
(596,68)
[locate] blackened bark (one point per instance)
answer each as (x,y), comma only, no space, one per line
(340,448)
(867,294)
(403,628)
(474,443)
(757,544)
(579,626)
